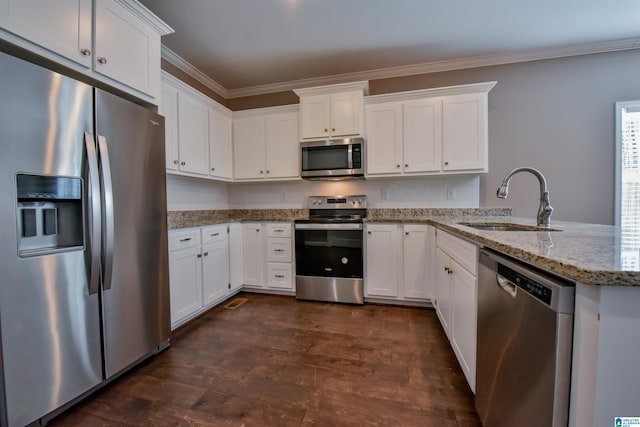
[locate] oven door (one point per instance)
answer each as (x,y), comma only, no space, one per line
(329,250)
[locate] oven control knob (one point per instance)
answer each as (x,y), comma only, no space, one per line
(345,260)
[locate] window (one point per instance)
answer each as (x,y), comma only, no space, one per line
(628,180)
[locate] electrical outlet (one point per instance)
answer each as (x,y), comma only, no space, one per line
(451,193)
(384,194)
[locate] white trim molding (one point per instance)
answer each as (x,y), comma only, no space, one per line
(424,68)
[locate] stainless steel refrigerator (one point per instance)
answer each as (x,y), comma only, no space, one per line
(83,244)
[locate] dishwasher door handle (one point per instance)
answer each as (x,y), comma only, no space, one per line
(507,285)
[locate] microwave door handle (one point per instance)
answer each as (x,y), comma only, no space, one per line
(350,156)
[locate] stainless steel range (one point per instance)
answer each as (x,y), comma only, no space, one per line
(329,250)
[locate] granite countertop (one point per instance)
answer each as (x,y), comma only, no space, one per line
(590,254)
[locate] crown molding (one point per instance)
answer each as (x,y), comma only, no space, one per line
(423,68)
(147,16)
(430,93)
(186,67)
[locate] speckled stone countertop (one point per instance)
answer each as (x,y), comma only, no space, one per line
(590,254)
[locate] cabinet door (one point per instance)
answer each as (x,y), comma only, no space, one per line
(443,290)
(235,256)
(346,114)
(61,26)
(126,49)
(169,109)
(416,260)
(464,135)
(422,135)
(249,148)
(215,271)
(383,260)
(252,255)
(220,151)
(193,134)
(185,283)
(384,139)
(315,112)
(282,145)
(463,320)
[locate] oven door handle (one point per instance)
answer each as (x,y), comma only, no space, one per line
(334,226)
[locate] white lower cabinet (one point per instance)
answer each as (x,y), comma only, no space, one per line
(267,255)
(201,261)
(399,261)
(456,298)
(235,256)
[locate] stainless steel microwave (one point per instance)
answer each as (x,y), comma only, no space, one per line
(333,159)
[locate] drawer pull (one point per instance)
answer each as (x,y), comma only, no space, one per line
(279,276)
(215,234)
(279,250)
(278,230)
(186,239)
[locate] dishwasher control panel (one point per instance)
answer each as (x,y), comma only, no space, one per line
(536,289)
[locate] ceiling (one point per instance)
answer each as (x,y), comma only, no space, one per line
(244,47)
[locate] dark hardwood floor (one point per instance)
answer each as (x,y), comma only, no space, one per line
(276,361)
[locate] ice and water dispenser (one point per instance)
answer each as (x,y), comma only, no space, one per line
(49,214)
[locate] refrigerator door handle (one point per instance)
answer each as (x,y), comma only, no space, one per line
(95,216)
(108,221)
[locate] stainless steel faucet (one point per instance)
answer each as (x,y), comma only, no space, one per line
(544,210)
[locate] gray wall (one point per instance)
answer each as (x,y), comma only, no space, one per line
(555,115)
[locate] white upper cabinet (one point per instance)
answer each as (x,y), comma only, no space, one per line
(197,132)
(193,134)
(62,26)
(332,111)
(423,133)
(404,138)
(125,51)
(169,109)
(265,144)
(465,133)
(220,149)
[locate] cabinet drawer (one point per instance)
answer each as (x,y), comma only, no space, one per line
(181,239)
(465,253)
(279,249)
(280,276)
(279,230)
(214,233)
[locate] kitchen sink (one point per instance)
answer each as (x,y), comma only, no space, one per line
(505,226)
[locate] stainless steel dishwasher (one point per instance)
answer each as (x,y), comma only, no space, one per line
(525,333)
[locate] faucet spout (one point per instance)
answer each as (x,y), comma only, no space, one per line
(544,210)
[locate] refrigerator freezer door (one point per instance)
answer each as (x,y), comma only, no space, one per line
(136,299)
(51,350)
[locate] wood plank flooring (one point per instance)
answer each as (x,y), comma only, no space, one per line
(276,361)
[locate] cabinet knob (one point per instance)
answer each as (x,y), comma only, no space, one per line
(102,60)
(175,162)
(406,165)
(397,166)
(199,255)
(267,171)
(406,232)
(183,163)
(213,169)
(446,163)
(368,232)
(85,52)
(326,130)
(333,129)
(206,253)
(257,230)
(261,172)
